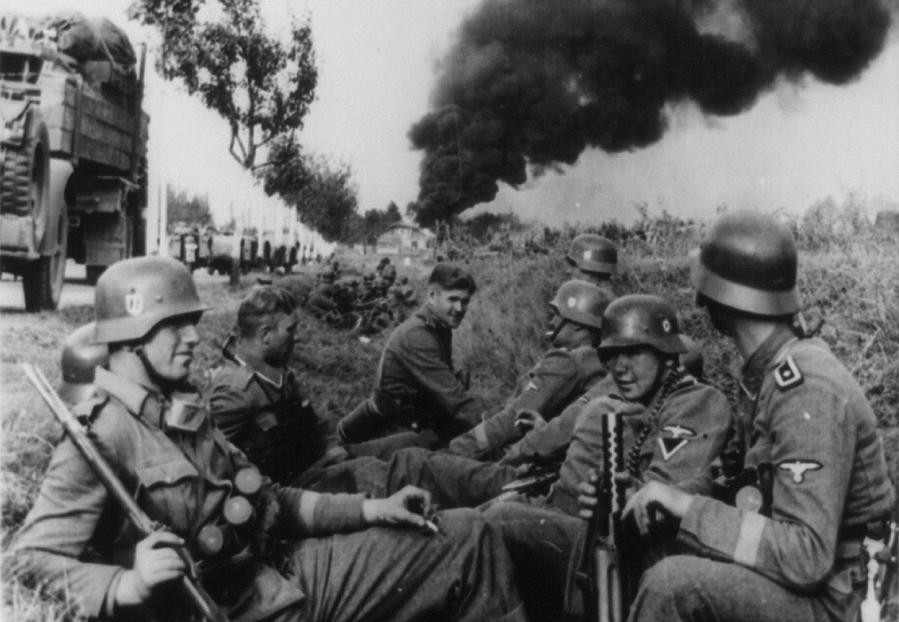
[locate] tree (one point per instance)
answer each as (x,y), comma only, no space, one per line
(262,87)
(176,21)
(192,211)
(328,202)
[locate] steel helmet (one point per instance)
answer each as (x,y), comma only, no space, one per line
(80,357)
(641,320)
(747,261)
(593,253)
(134,295)
(581,302)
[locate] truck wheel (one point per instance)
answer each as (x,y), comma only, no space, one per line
(42,280)
(93,273)
(26,179)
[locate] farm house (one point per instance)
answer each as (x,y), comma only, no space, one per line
(405,239)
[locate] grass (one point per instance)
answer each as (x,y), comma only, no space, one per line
(849,284)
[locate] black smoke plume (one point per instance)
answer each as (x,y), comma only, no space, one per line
(535,82)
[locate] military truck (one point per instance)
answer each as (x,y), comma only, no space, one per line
(72,150)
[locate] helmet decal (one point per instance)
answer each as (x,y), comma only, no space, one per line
(134,303)
(572,302)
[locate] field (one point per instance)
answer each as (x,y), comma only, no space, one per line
(849,284)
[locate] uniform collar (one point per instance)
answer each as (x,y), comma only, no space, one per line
(756,366)
(277,384)
(430,318)
(139,400)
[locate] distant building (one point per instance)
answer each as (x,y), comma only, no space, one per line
(405,239)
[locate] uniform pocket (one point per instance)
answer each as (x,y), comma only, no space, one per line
(166,473)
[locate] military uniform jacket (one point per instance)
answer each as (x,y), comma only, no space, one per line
(680,438)
(809,420)
(271,422)
(77,537)
(549,443)
(557,379)
(415,378)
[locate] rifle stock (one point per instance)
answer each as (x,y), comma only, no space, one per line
(600,574)
(198,596)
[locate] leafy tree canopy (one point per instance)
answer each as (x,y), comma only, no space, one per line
(261,86)
(322,193)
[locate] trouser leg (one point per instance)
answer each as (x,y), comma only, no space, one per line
(546,547)
(462,573)
(452,481)
(695,589)
(487,437)
(384,447)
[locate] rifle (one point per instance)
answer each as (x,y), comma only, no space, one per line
(600,572)
(885,581)
(198,596)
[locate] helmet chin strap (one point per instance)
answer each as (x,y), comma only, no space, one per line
(159,381)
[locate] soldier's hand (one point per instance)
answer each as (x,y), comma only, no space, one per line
(527,419)
(656,503)
(408,506)
(588,496)
(631,484)
(155,562)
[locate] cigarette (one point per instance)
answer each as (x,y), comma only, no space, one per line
(432,526)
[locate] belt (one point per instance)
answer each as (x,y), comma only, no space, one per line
(850,541)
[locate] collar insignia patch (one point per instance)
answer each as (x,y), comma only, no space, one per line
(787,375)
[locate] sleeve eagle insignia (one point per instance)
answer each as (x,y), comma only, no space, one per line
(670,445)
(787,374)
(799,468)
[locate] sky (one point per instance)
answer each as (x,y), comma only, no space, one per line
(377,61)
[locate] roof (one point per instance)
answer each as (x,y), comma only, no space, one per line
(406,225)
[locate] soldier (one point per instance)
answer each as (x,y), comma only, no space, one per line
(80,358)
(416,388)
(388,276)
(546,441)
(367,291)
(593,258)
(564,373)
(674,427)
(256,399)
(321,300)
(385,261)
(792,548)
(154,431)
(402,297)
